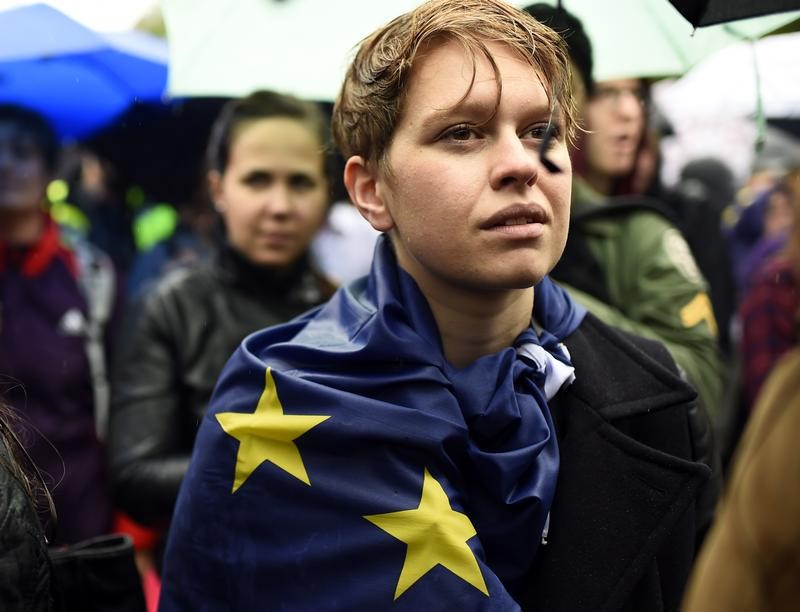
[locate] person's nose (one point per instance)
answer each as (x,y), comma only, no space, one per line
(629,105)
(279,201)
(514,164)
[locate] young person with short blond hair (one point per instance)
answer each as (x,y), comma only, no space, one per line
(451,431)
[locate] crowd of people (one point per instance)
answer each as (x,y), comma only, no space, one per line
(511,370)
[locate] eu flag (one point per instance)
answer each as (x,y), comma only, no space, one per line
(344,464)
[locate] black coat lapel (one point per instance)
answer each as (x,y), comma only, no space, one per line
(625,482)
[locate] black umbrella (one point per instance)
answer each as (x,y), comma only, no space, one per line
(710,12)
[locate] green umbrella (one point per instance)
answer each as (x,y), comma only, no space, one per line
(227,48)
(301,47)
(650,38)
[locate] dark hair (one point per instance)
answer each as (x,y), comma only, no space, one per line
(35,125)
(20,464)
(261,105)
(571,29)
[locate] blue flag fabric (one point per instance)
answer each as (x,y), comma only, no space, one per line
(344,464)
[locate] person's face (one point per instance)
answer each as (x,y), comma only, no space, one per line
(615,118)
(273,195)
(23,173)
(779,215)
(468,203)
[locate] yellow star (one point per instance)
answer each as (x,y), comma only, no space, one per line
(267,435)
(434,534)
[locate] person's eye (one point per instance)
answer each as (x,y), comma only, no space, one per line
(540,131)
(605,93)
(640,94)
(301,182)
(257,179)
(460,133)
(537,131)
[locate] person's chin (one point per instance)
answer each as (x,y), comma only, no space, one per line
(622,166)
(273,258)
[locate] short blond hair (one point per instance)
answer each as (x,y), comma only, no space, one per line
(373,93)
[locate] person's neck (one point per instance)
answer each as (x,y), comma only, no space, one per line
(20,227)
(473,326)
(259,278)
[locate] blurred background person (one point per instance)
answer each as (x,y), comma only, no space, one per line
(267,159)
(760,231)
(58,299)
(765,325)
(192,230)
(769,314)
(706,188)
(625,259)
(90,197)
(158,151)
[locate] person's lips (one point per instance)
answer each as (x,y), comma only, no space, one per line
(277,239)
(518,220)
(624,143)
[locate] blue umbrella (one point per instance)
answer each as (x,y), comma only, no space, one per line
(79,78)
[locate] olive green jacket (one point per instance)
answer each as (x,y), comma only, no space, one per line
(653,287)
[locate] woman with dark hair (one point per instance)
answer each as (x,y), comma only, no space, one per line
(268,180)
(25,570)
(61,294)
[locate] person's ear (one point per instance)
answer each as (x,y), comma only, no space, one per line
(364,188)
(215,190)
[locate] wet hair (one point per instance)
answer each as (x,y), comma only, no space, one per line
(579,46)
(34,125)
(372,96)
(16,460)
(262,105)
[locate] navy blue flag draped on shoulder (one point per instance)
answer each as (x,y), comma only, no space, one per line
(344,464)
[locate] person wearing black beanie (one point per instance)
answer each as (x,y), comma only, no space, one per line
(571,30)
(625,260)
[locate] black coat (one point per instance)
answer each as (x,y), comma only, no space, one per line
(177,343)
(623,525)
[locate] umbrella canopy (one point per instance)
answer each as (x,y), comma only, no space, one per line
(303,46)
(649,38)
(722,106)
(725,85)
(80,79)
(710,12)
(300,47)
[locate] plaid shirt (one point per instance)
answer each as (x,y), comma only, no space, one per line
(769,318)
